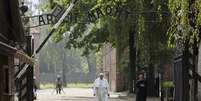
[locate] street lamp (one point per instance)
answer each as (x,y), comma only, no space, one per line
(23,8)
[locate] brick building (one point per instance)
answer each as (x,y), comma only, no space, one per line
(12,45)
(6,72)
(115,78)
(36,40)
(11,31)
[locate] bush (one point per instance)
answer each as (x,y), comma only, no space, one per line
(167,84)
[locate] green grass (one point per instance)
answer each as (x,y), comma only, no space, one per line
(47,86)
(70,85)
(80,85)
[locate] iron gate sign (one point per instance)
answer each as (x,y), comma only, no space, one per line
(46,19)
(40,20)
(58,12)
(91,15)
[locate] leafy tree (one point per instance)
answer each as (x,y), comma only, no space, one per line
(141,21)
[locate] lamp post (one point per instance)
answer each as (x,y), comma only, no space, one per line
(23,8)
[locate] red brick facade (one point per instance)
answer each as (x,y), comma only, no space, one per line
(11,35)
(109,66)
(113,74)
(7,73)
(36,39)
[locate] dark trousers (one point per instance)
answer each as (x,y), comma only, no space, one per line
(141,97)
(58,89)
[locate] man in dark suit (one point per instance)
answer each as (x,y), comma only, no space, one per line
(141,88)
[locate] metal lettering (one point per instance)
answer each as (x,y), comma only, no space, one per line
(49,19)
(118,11)
(41,20)
(91,16)
(99,13)
(108,10)
(72,17)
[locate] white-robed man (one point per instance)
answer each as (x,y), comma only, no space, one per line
(101,88)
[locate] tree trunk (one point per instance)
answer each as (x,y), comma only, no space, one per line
(91,66)
(64,69)
(199,72)
(151,91)
(132,67)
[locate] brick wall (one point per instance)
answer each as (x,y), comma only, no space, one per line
(11,77)
(7,64)
(115,77)
(109,66)
(36,39)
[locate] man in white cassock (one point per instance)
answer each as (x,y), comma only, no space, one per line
(101,88)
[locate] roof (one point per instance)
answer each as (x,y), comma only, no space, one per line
(5,48)
(9,50)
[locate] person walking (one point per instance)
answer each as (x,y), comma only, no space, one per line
(58,85)
(101,88)
(141,88)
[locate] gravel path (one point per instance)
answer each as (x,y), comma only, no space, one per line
(72,94)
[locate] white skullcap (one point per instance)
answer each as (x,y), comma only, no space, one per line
(101,74)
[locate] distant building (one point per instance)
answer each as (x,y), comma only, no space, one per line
(36,41)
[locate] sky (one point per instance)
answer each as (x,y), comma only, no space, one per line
(33,6)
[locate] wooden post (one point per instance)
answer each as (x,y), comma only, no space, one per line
(29,71)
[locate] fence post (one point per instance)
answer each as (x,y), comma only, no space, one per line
(29,71)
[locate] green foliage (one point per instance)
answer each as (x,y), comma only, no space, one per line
(146,19)
(99,58)
(180,26)
(167,84)
(54,57)
(151,28)
(71,85)
(104,27)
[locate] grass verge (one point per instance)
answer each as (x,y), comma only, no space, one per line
(70,85)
